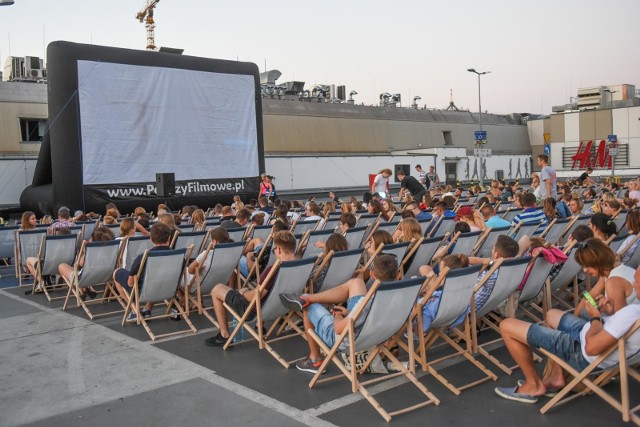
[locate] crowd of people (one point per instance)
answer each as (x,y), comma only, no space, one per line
(596,213)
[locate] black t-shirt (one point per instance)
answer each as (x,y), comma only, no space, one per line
(412,184)
(135,266)
(584,176)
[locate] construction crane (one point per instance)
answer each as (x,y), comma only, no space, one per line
(146,15)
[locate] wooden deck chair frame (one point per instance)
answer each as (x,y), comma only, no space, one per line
(138,244)
(215,274)
(505,285)
(522,229)
(349,335)
(135,298)
(435,224)
(556,229)
(45,267)
(305,239)
(279,316)
(438,329)
(106,255)
(27,245)
(254,271)
(339,270)
(308,226)
(624,369)
(439,231)
(489,240)
(579,220)
(466,242)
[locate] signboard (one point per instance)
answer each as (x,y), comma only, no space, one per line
(547,149)
(482,152)
(481,135)
(612,138)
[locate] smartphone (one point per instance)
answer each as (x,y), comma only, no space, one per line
(590,299)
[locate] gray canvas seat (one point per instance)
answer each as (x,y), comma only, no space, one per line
(89,227)
(466,242)
(621,219)
(485,249)
(535,284)
(186,239)
(162,272)
(342,265)
(424,225)
(389,227)
(301,226)
(223,258)
(568,275)
(186,228)
(8,241)
(523,229)
(456,288)
(313,238)
(397,249)
(581,220)
(511,213)
(367,219)
(237,234)
(444,226)
(100,260)
(27,246)
(135,246)
(554,231)
(423,253)
(292,277)
(261,232)
(383,316)
(356,236)
(331,223)
(54,250)
(616,243)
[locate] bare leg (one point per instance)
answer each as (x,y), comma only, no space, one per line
(314,348)
(339,294)
(553,376)
(218,294)
(31,266)
(514,333)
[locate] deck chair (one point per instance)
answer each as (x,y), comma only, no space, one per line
(588,205)
(383,315)
(342,265)
(27,246)
(162,272)
(186,239)
(465,242)
(634,260)
(511,213)
(261,232)
(310,243)
(133,247)
(292,277)
(400,250)
(557,288)
(485,248)
(556,229)
(237,234)
(367,219)
(356,236)
(523,229)
(424,225)
(223,258)
(534,285)
(580,220)
(456,288)
(7,242)
(331,223)
(624,369)
(509,277)
(444,226)
(616,241)
(621,219)
(100,260)
(89,227)
(301,227)
(389,227)
(54,250)
(186,228)
(420,254)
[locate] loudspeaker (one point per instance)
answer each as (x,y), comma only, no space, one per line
(165,184)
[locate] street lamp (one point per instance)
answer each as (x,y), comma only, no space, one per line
(613,140)
(478,143)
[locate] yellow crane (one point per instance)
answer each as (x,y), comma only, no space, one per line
(146,15)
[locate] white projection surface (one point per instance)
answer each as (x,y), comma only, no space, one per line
(137,121)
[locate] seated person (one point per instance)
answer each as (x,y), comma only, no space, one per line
(575,340)
(415,208)
(487,218)
(505,247)
(615,281)
(531,214)
(284,247)
(327,324)
(347,220)
(202,264)
(253,247)
(124,280)
(336,243)
(242,218)
(602,225)
(633,225)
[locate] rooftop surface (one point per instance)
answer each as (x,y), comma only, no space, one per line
(60,369)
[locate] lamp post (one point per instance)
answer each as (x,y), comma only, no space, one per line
(613,140)
(479,142)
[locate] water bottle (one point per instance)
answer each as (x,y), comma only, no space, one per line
(239,337)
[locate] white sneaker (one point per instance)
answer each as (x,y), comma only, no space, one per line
(391,367)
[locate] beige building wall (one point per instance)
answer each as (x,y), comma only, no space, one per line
(556,128)
(10,115)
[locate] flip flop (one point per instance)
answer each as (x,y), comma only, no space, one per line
(510,393)
(550,393)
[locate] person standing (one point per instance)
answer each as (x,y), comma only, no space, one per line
(433,177)
(267,189)
(410,184)
(381,182)
(422,177)
(548,179)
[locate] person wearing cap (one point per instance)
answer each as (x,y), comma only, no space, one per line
(63,220)
(466,214)
(411,185)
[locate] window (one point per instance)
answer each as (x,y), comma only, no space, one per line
(447,137)
(32,130)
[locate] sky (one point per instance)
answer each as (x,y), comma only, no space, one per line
(539,53)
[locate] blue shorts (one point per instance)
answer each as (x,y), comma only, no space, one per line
(122,277)
(322,320)
(563,342)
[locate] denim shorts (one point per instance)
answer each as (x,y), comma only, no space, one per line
(563,342)
(322,320)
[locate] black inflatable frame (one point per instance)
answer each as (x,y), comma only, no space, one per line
(57,179)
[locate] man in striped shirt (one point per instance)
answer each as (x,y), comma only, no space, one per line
(531,214)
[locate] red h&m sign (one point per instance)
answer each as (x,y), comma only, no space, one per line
(601,158)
